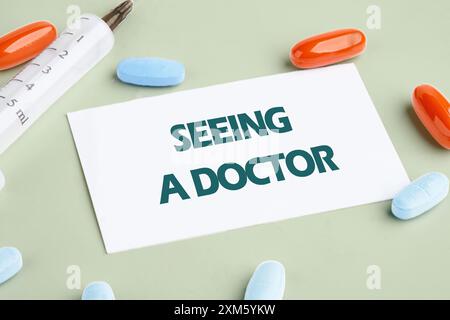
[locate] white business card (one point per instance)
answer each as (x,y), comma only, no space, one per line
(202,161)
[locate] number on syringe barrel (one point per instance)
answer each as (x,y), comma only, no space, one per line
(63,54)
(47,70)
(12,102)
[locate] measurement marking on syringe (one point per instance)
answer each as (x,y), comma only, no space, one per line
(84,18)
(79,39)
(47,70)
(63,54)
(12,102)
(22,117)
(14,79)
(35,64)
(71,33)
(51,49)
(2,97)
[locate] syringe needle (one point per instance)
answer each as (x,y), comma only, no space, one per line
(118,14)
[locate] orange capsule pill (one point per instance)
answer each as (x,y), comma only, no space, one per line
(328,48)
(433,109)
(25,43)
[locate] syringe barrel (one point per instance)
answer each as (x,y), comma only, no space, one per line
(33,90)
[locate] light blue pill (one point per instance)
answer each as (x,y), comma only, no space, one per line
(267,282)
(420,196)
(10,263)
(152,72)
(98,290)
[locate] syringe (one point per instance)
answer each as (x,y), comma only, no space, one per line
(47,77)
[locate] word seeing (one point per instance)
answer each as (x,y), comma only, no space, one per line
(231,128)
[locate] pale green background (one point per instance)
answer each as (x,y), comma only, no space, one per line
(45,209)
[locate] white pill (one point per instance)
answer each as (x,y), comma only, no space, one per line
(10,263)
(2,180)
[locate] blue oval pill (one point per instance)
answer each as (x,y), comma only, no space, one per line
(420,196)
(10,263)
(152,72)
(267,282)
(98,290)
